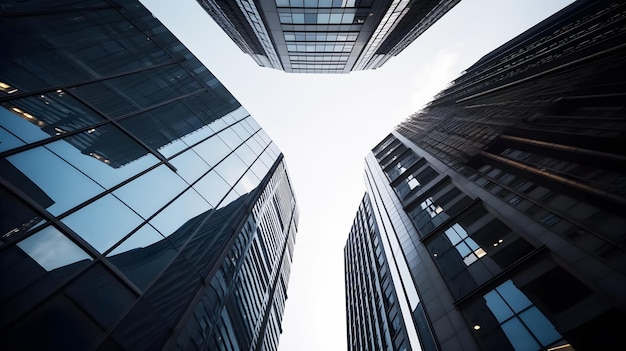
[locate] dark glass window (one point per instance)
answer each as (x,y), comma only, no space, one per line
(143,256)
(134,92)
(52,176)
(34,267)
(105,154)
(522,323)
(440,203)
(474,249)
(103,222)
(17,218)
(60,325)
(146,194)
(415,180)
(45,115)
(101,295)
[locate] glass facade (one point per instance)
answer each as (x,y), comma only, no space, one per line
(375,321)
(325,36)
(142,206)
(502,201)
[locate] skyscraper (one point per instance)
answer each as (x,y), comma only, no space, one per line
(142,207)
(324,36)
(499,208)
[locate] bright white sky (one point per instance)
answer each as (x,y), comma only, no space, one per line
(326,124)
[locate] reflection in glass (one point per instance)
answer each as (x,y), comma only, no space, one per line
(158,128)
(212,150)
(147,193)
(519,336)
(187,206)
(259,168)
(143,255)
(212,187)
(138,90)
(247,183)
(100,294)
(230,138)
(231,169)
(145,236)
(17,218)
(246,154)
(540,326)
(104,222)
(515,298)
(51,249)
(105,154)
(522,323)
(48,114)
(497,306)
(189,166)
(8,141)
(53,176)
(193,138)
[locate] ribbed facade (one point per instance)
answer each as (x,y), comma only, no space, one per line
(142,207)
(374,316)
(324,36)
(503,200)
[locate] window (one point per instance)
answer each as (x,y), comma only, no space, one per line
(415,180)
(474,249)
(466,246)
(443,201)
(523,324)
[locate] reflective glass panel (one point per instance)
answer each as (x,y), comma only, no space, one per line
(54,113)
(17,218)
(183,209)
(247,183)
(105,154)
(151,191)
(21,124)
(515,298)
(144,237)
(497,306)
(212,187)
(212,150)
(246,154)
(198,135)
(132,92)
(142,256)
(540,326)
(519,336)
(232,139)
(231,169)
(104,222)
(8,141)
(51,249)
(240,130)
(253,144)
(260,169)
(161,127)
(51,176)
(189,166)
(101,295)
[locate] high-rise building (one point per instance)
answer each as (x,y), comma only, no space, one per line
(142,207)
(324,36)
(497,217)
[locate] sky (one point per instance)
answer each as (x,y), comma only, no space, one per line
(326,124)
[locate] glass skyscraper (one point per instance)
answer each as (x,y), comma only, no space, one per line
(324,36)
(494,218)
(142,207)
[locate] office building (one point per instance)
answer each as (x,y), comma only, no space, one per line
(324,36)
(142,207)
(498,210)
